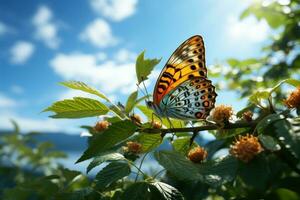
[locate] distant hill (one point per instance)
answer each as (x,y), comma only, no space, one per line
(62,141)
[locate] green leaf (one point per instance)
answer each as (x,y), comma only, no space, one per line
(78,107)
(140,189)
(69,175)
(115,133)
(251,171)
(269,142)
(151,191)
(178,165)
(182,145)
(288,133)
(167,192)
(240,113)
(266,121)
(144,67)
(149,114)
(77,85)
(149,141)
(104,158)
(217,172)
(131,101)
(111,173)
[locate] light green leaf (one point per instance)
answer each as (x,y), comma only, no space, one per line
(182,145)
(115,134)
(131,102)
(149,114)
(77,85)
(78,107)
(144,67)
(104,158)
(111,173)
(149,141)
(178,165)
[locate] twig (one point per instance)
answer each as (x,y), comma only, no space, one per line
(199,128)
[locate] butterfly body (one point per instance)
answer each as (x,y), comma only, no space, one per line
(183,90)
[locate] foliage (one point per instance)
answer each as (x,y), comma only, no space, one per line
(273,173)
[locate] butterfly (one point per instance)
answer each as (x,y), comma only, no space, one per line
(182,90)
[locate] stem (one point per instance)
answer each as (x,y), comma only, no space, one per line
(132,163)
(158,173)
(141,166)
(199,128)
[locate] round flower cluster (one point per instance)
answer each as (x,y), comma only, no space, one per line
(101,125)
(136,119)
(156,124)
(247,116)
(293,100)
(133,147)
(221,113)
(197,154)
(245,148)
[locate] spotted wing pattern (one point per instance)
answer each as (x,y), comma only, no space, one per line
(187,62)
(191,100)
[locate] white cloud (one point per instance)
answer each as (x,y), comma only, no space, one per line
(125,55)
(98,33)
(248,30)
(21,51)
(108,76)
(46,29)
(116,10)
(6,102)
(3,28)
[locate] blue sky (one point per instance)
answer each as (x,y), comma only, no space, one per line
(96,41)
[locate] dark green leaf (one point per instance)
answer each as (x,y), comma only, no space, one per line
(78,107)
(131,102)
(77,85)
(144,67)
(104,158)
(116,133)
(139,190)
(266,121)
(111,173)
(178,165)
(219,171)
(269,142)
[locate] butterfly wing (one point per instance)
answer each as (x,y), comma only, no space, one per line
(193,99)
(188,61)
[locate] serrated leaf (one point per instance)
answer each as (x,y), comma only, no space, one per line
(149,141)
(219,171)
(144,67)
(167,192)
(178,165)
(78,107)
(182,145)
(269,143)
(111,173)
(266,121)
(77,85)
(104,158)
(138,190)
(131,102)
(115,134)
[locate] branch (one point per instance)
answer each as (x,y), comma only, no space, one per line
(200,128)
